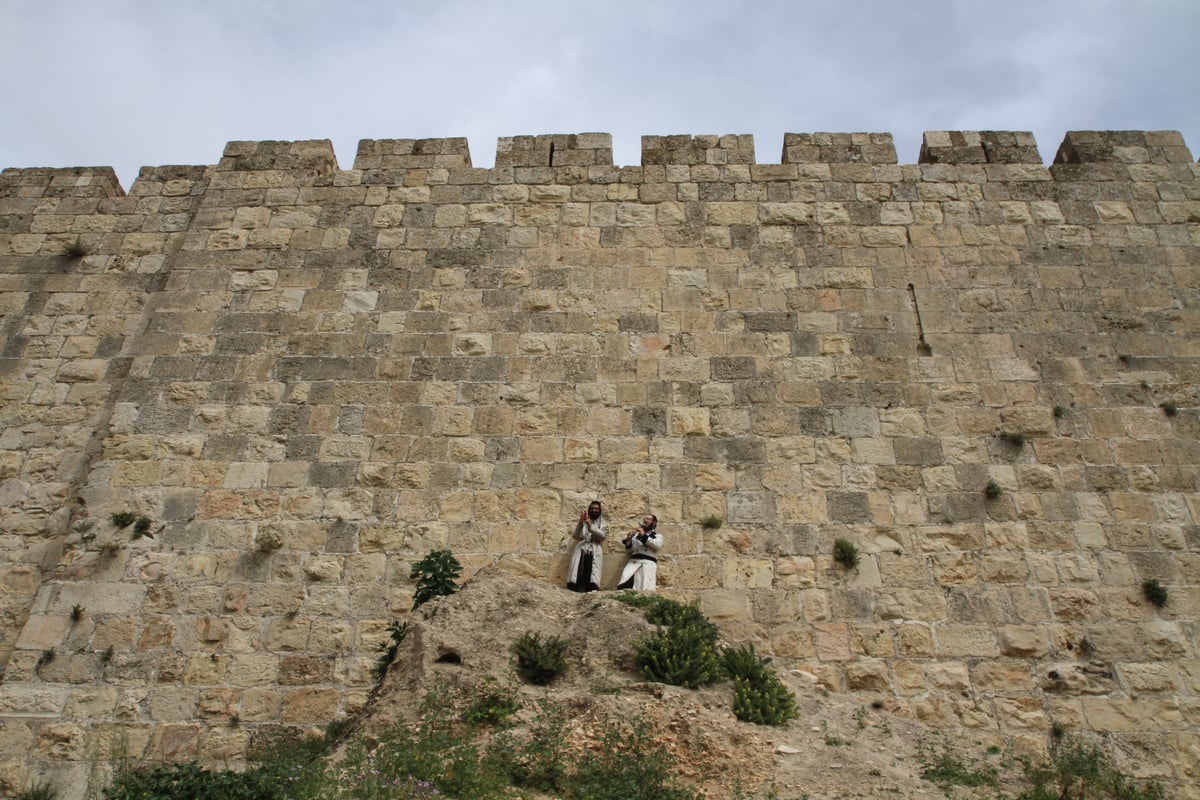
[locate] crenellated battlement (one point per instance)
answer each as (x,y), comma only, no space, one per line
(308,161)
(979,369)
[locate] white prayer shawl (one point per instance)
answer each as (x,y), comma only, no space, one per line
(641,573)
(591,536)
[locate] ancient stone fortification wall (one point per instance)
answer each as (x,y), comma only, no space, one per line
(361,365)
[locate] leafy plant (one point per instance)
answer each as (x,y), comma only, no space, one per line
(1169,408)
(45,657)
(1059,412)
(993,490)
(1077,771)
(490,704)
(396,632)
(122,519)
(711,523)
(109,549)
(77,612)
(435,575)
(540,660)
(1155,592)
(845,553)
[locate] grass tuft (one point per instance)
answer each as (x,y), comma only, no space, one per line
(845,553)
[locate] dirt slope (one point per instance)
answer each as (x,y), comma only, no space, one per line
(838,748)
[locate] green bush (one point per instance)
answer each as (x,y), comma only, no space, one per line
(540,660)
(769,702)
(189,781)
(758,694)
(845,553)
(681,655)
(671,613)
(435,575)
(993,490)
(1077,771)
(712,523)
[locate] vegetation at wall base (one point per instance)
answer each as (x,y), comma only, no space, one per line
(1079,771)
(539,660)
(435,575)
(947,770)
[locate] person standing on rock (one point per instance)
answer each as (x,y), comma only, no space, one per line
(586,561)
(643,545)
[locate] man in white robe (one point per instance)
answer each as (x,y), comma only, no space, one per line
(643,545)
(588,557)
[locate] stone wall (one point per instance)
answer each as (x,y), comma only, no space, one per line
(306,378)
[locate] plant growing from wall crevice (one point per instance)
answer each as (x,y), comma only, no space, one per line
(1154,592)
(845,553)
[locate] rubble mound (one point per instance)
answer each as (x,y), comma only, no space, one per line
(840,746)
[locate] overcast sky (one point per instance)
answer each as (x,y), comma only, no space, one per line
(128,83)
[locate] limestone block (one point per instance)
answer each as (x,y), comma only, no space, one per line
(957,640)
(867,676)
(832,641)
(309,706)
(44,631)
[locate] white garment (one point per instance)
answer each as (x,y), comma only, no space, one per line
(591,536)
(641,571)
